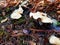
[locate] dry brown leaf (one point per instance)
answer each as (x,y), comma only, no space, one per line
(58,12)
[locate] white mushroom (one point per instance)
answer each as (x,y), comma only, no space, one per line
(54,40)
(37,15)
(17,13)
(46,20)
(42,16)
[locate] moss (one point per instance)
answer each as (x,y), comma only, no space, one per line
(58,23)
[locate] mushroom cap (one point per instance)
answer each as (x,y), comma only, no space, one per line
(15,16)
(54,40)
(42,16)
(46,20)
(17,13)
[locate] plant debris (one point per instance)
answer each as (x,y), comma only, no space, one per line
(30,22)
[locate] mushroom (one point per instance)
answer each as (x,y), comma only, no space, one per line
(54,40)
(42,16)
(17,13)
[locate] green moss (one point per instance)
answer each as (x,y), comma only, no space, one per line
(58,23)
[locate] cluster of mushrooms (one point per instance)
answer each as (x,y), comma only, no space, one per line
(36,14)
